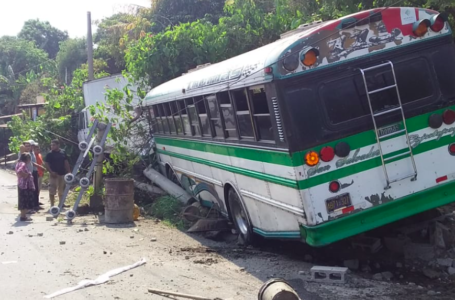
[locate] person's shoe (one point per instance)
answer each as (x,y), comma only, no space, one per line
(25,219)
(40,203)
(31,212)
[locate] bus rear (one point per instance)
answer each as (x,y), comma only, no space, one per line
(369,112)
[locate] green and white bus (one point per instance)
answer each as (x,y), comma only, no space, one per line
(335,129)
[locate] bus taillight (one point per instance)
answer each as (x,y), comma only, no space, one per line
(435,121)
(452,149)
(449,117)
(437,22)
(327,154)
(312,158)
(420,28)
(342,149)
(334,186)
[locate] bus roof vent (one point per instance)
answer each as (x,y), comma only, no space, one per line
(301,28)
(199,67)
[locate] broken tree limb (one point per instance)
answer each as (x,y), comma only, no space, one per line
(167,293)
(167,185)
(149,188)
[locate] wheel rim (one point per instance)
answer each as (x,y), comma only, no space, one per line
(240,218)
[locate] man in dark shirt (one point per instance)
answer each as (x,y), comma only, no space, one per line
(57,165)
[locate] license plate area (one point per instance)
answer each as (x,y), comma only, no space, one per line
(338,202)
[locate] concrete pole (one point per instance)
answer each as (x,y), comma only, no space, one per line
(90,47)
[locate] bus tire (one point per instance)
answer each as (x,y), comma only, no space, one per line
(171,176)
(240,218)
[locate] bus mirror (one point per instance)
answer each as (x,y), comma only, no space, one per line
(420,28)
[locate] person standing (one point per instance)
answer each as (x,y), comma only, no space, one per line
(34,169)
(57,165)
(39,162)
(25,186)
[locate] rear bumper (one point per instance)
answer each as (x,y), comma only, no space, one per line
(359,222)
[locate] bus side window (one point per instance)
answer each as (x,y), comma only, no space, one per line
(176,115)
(228,115)
(202,112)
(215,115)
(194,118)
(170,119)
(184,114)
(165,126)
(243,114)
(261,114)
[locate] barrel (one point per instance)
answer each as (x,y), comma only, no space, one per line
(119,200)
(277,289)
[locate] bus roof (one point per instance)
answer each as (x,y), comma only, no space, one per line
(350,37)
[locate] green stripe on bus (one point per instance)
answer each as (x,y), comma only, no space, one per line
(350,225)
(261,176)
(268,156)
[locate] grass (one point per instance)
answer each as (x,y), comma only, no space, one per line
(168,209)
(72,197)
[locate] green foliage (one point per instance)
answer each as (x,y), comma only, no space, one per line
(168,209)
(43,35)
(72,54)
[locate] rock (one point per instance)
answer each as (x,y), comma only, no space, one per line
(242,269)
(445,262)
(131,236)
(308,258)
(85,229)
(80,230)
(387,275)
(40,234)
(451,270)
(424,252)
(399,265)
(301,273)
(153,239)
(62,242)
(432,274)
(352,264)
(377,276)
(49,219)
(104,252)
(431,293)
(9,232)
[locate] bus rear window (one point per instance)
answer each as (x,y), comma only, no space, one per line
(345,98)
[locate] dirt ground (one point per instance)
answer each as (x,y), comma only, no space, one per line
(32,266)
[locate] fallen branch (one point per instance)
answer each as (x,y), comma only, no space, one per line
(167,293)
(167,185)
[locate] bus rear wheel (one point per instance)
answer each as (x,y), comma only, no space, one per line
(240,218)
(172,177)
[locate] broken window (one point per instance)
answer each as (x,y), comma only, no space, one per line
(215,115)
(228,116)
(261,114)
(243,114)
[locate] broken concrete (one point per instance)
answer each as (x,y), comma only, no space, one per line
(396,244)
(445,262)
(370,244)
(432,274)
(352,264)
(424,252)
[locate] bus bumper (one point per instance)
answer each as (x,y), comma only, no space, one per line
(358,222)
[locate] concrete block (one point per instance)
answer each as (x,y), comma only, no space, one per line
(49,219)
(328,274)
(424,252)
(370,244)
(445,262)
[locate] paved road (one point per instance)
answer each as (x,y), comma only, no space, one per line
(38,266)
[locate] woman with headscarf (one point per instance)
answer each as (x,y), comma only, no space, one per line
(25,185)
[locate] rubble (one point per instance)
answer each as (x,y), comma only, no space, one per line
(49,219)
(451,270)
(371,244)
(352,264)
(430,273)
(445,262)
(419,251)
(328,274)
(387,275)
(62,242)
(40,234)
(9,232)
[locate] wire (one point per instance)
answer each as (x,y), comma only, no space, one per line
(277,61)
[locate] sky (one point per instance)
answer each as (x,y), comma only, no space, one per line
(66,15)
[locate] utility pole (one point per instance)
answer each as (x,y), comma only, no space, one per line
(96,200)
(90,47)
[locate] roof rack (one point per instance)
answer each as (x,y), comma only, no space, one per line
(301,28)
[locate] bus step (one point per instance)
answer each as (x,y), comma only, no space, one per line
(387,111)
(383,89)
(391,134)
(396,156)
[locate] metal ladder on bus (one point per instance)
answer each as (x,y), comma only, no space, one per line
(379,137)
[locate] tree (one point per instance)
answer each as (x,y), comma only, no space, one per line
(72,54)
(44,36)
(166,13)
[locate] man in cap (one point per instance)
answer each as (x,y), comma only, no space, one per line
(57,165)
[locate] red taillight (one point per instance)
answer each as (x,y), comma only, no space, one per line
(452,149)
(435,121)
(437,23)
(448,116)
(334,186)
(327,154)
(268,70)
